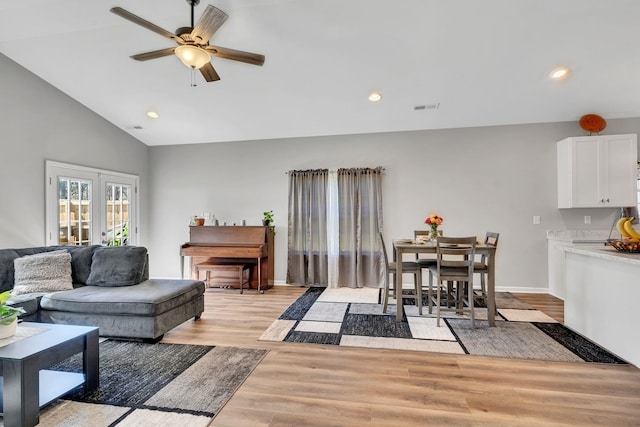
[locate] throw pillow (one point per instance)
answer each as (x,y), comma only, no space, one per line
(7,272)
(44,272)
(117,266)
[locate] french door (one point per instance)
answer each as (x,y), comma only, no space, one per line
(87,206)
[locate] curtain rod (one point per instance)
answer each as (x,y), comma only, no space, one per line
(382,169)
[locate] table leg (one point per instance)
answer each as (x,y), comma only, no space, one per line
(91,361)
(491,290)
(398,285)
(21,392)
(182,266)
(259,267)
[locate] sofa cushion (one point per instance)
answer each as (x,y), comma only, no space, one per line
(149,298)
(6,269)
(44,272)
(81,259)
(117,266)
(30,303)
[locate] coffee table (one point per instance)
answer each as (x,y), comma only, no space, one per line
(26,385)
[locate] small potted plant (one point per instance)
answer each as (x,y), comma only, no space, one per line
(8,316)
(267,219)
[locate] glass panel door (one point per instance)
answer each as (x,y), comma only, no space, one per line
(118,215)
(87,206)
(75,217)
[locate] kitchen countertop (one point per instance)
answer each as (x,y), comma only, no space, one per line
(606,253)
(582,236)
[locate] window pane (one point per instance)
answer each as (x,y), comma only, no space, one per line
(85,191)
(63,189)
(74,191)
(74,212)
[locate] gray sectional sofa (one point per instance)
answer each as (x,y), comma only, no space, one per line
(109,288)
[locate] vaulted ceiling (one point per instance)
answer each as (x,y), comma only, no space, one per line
(469,62)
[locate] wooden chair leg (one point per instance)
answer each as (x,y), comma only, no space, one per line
(430,302)
(385,295)
(438,301)
(471,311)
(418,283)
(483,285)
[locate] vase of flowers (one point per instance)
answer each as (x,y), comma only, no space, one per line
(433,222)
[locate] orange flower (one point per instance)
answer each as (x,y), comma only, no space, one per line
(434,220)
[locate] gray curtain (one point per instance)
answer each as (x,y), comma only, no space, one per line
(359,193)
(360,204)
(307,221)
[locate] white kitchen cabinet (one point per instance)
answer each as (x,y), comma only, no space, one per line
(557,241)
(602,297)
(597,171)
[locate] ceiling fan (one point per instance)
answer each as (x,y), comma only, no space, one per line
(193,42)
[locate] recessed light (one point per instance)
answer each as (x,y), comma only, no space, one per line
(152,114)
(559,73)
(375,96)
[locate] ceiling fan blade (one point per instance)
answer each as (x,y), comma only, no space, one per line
(209,73)
(142,22)
(209,22)
(235,55)
(154,54)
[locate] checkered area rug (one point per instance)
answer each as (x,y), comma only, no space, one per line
(354,317)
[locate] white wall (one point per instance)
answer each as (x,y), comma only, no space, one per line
(480,179)
(38,122)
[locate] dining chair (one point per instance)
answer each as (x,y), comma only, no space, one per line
(425,263)
(482,267)
(407,267)
(423,235)
(454,264)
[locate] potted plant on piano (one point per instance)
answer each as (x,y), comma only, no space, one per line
(267,220)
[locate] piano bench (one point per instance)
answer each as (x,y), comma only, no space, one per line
(220,265)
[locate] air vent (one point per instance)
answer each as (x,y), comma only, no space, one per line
(427,107)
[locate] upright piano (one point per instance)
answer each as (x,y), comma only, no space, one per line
(251,242)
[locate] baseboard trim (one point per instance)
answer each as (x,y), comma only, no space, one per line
(524,290)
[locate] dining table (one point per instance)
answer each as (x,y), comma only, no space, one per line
(406,246)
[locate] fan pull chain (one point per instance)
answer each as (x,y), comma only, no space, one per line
(193,77)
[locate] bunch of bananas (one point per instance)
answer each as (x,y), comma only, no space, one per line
(626,229)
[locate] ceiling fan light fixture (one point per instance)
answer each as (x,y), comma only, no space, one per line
(192,56)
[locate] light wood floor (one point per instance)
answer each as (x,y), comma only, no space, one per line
(318,385)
